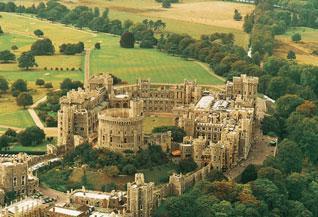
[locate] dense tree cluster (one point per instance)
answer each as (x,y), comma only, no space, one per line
(127,40)
(177,133)
(71,49)
(31,136)
(218,50)
(47,111)
(111,161)
(24,99)
(27,61)
(268,20)
(42,47)
(7,56)
(68,84)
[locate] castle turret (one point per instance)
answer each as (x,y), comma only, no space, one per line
(140,197)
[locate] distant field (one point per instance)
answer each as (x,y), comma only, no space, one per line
(194,17)
(130,64)
(303,49)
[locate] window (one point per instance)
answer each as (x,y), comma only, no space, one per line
(15,181)
(23,180)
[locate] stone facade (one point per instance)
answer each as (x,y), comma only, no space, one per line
(109,200)
(27,207)
(82,110)
(140,200)
(15,177)
(121,129)
(219,125)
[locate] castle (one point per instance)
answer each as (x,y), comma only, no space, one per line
(219,124)
(15,178)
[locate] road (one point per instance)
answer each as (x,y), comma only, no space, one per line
(49,192)
(87,67)
(49,131)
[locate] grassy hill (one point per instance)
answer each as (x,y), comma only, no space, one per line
(303,49)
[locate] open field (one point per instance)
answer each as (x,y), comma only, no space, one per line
(130,64)
(194,17)
(303,49)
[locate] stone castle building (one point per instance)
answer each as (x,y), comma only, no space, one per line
(140,197)
(90,114)
(121,129)
(15,177)
(218,124)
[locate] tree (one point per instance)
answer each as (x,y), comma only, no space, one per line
(68,84)
(4,85)
(38,33)
(48,85)
(291,55)
(267,191)
(19,86)
(31,136)
(296,37)
(166,4)
(42,47)
(24,99)
(186,166)
(270,125)
(27,61)
(50,121)
(295,184)
(127,40)
(290,157)
(111,171)
(129,169)
(4,141)
(14,47)
(39,82)
(249,174)
(287,104)
(177,133)
(1,31)
(97,46)
(237,15)
(6,56)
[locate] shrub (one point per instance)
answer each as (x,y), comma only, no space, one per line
(48,85)
(127,40)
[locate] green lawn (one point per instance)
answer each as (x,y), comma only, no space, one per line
(303,49)
(50,76)
(131,64)
(16,118)
(152,122)
(9,39)
(20,148)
